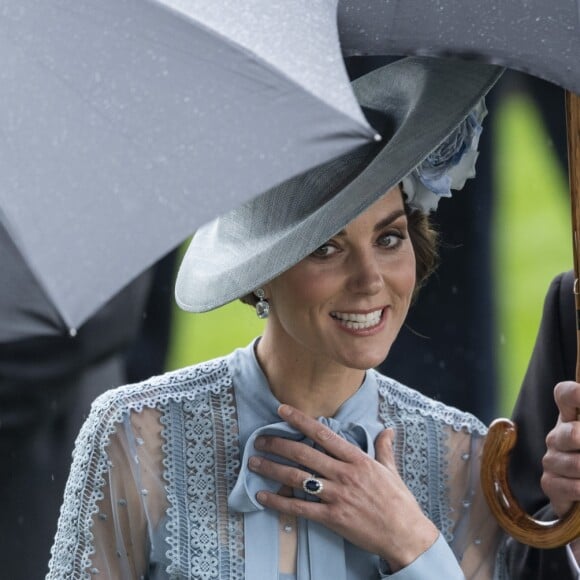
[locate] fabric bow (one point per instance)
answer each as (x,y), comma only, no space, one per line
(243,496)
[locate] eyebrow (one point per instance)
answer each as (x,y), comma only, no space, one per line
(383,223)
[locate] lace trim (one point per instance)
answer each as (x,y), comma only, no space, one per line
(73,545)
(205,539)
(421,446)
(412,401)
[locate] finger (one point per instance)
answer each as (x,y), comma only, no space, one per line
(563,492)
(567,397)
(311,510)
(321,434)
(384,448)
(290,476)
(299,453)
(564,437)
(562,464)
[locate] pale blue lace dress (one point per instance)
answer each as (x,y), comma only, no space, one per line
(159,488)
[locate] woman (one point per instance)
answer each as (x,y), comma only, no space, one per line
(222,470)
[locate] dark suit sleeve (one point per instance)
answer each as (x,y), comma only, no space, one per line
(535,414)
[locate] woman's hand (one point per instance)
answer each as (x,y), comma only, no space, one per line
(363,500)
(561,478)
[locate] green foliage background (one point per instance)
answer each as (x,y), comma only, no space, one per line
(532,233)
(532,243)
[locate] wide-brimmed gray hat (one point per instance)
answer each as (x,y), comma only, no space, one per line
(417,105)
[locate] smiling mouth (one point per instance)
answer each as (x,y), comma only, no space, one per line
(358,321)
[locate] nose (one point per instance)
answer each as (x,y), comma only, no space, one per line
(366,276)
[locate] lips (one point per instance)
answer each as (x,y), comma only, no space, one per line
(357,321)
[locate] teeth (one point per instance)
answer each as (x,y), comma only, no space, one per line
(358,321)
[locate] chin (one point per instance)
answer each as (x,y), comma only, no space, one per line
(366,360)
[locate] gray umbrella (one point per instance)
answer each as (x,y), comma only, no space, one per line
(541,37)
(126,124)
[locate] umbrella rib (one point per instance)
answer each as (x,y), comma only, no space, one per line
(368,131)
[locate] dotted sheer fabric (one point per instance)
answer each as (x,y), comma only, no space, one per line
(155,463)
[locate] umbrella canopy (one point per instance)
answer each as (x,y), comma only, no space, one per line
(534,36)
(126,124)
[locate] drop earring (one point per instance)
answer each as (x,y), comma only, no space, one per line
(262,306)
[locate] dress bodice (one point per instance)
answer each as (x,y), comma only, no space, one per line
(152,491)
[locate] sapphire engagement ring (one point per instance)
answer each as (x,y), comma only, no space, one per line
(312,485)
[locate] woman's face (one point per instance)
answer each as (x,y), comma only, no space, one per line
(347,301)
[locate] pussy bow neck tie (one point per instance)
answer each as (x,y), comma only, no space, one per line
(324,549)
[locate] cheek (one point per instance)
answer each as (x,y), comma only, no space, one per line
(316,291)
(405,276)
(410,278)
(304,290)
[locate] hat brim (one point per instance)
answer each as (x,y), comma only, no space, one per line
(423,99)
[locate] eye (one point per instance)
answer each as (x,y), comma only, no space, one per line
(325,251)
(391,240)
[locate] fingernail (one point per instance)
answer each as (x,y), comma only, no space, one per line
(259,443)
(284,411)
(261,496)
(254,462)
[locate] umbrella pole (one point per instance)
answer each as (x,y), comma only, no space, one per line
(502,432)
(573,124)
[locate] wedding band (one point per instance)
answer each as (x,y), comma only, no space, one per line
(312,485)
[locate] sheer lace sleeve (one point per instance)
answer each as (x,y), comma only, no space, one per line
(438,450)
(114,498)
(475,537)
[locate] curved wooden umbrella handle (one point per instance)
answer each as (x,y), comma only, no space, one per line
(502,432)
(509,514)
